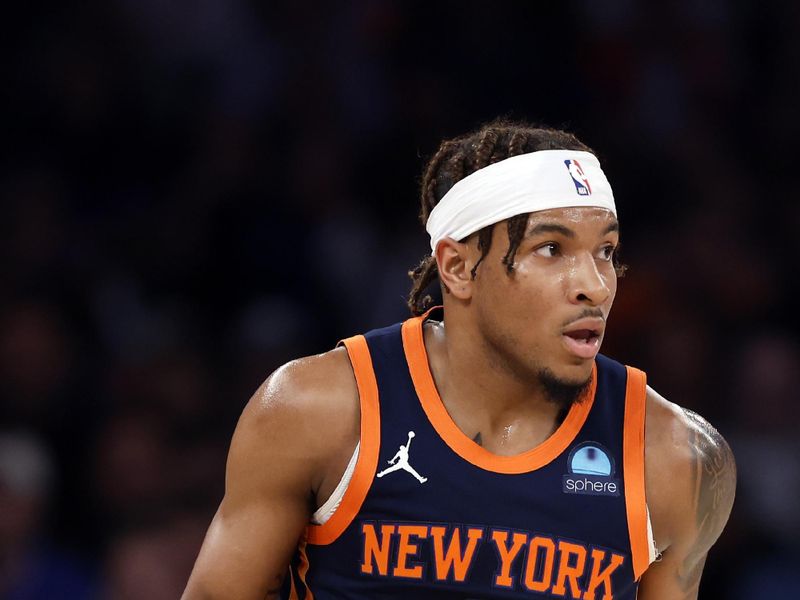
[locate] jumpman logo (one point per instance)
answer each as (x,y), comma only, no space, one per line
(400,461)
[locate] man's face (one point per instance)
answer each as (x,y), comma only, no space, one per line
(548,315)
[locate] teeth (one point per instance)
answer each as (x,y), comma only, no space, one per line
(583,335)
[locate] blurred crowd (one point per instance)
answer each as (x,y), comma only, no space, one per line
(194,193)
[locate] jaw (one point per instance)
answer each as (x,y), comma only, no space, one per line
(569,367)
(541,365)
(574,374)
(563,392)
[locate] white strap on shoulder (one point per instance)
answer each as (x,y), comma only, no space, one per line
(325,512)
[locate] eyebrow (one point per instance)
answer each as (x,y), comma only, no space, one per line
(611,227)
(565,231)
(550,228)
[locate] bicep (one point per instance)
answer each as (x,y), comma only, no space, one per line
(266,506)
(703,491)
(246,552)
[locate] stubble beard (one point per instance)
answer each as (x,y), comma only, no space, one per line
(564,393)
(561,392)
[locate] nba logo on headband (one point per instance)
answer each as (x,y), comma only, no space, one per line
(521,184)
(578,178)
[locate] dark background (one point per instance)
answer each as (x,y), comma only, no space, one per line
(195,192)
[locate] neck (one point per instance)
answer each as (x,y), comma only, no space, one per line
(474,380)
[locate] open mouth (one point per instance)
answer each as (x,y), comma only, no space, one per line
(583,342)
(584,336)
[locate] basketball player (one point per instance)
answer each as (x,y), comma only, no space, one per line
(539,468)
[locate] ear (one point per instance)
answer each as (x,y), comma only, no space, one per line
(454,261)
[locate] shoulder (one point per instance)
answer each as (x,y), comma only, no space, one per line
(306,388)
(302,419)
(288,439)
(311,383)
(690,474)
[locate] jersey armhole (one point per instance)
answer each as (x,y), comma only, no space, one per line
(633,446)
(323,514)
(367,462)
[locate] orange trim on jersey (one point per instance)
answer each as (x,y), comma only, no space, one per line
(302,571)
(535,458)
(367,462)
(633,459)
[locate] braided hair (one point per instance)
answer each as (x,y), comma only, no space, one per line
(457,158)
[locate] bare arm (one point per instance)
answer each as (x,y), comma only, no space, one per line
(696,502)
(279,460)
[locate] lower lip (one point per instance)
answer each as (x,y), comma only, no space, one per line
(588,349)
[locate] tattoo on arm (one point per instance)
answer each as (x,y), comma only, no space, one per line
(478,439)
(714,479)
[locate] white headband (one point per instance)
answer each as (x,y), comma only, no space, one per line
(521,184)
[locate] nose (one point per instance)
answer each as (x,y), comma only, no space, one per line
(587,284)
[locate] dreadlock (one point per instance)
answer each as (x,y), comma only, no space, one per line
(461,156)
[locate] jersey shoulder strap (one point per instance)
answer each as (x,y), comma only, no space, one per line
(367,462)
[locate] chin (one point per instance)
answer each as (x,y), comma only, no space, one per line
(562,389)
(576,373)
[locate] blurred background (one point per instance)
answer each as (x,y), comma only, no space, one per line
(195,192)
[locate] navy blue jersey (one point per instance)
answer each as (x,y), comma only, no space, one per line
(431,514)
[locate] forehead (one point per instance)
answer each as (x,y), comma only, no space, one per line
(587,218)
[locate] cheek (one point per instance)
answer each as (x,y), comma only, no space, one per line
(540,288)
(520,303)
(496,292)
(611,282)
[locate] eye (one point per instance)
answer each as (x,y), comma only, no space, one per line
(606,253)
(549,250)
